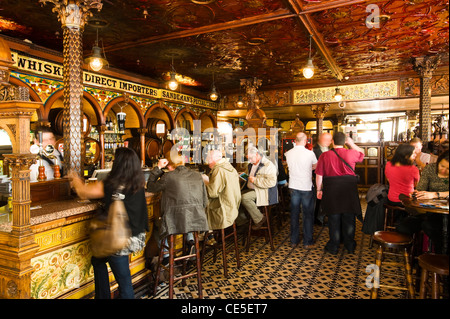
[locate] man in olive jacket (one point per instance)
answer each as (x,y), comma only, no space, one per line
(223,191)
(184,197)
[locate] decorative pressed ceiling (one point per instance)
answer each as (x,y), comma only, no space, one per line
(236,39)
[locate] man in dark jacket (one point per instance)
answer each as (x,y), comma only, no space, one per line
(184,197)
(323,145)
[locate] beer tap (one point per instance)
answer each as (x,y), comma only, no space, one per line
(38,151)
(49,153)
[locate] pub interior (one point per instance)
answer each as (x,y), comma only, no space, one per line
(98,74)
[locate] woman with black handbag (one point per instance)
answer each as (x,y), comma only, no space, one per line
(126,174)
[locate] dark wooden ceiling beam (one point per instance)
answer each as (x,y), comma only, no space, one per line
(276,15)
(308,23)
(327,5)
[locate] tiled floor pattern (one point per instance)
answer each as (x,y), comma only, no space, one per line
(288,273)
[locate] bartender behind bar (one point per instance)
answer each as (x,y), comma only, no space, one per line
(44,136)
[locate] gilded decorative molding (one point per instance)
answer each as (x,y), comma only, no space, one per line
(366,91)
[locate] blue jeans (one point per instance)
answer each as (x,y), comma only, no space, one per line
(341,226)
(121,270)
(306,199)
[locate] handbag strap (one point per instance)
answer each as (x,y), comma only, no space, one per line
(343,160)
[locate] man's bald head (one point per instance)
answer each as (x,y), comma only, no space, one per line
(301,139)
(325,139)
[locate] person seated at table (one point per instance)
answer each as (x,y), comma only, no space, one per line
(261,187)
(433,184)
(401,174)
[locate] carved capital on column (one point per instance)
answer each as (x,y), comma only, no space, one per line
(411,113)
(101,129)
(320,110)
(142,131)
(425,66)
(74,14)
(19,161)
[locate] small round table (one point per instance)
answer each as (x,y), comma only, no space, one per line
(437,206)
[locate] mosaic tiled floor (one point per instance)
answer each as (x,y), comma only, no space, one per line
(291,273)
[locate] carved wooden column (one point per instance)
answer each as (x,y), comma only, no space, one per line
(425,67)
(142,132)
(319,112)
(73,15)
(101,136)
(18,246)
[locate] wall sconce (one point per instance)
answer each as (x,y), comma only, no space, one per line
(96,61)
(338,95)
(308,70)
(173,83)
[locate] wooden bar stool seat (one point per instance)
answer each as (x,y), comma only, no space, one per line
(401,245)
(438,266)
(266,227)
(177,255)
(223,237)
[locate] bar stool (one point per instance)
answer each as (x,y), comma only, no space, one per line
(397,242)
(389,213)
(437,265)
(281,206)
(223,238)
(267,229)
(174,256)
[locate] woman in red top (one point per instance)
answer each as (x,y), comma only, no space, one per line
(401,174)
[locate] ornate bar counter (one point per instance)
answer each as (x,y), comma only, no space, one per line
(61,264)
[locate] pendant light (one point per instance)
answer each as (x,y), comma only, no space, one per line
(213,95)
(338,95)
(173,83)
(97,61)
(240,102)
(308,70)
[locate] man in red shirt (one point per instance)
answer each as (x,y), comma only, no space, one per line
(339,194)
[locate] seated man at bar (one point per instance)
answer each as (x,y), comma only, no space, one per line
(261,186)
(184,198)
(223,190)
(44,136)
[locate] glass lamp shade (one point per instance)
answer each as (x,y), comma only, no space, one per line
(121,116)
(338,96)
(173,84)
(96,61)
(308,70)
(240,103)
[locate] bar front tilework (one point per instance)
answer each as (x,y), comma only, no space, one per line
(60,271)
(367,91)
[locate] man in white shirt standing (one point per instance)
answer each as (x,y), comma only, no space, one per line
(301,162)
